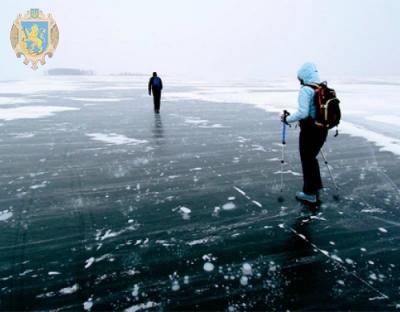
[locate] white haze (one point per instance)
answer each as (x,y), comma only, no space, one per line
(216,39)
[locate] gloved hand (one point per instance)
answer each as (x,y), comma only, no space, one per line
(284,116)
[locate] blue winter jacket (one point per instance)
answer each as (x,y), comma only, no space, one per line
(308,73)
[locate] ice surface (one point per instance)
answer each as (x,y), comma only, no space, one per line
(88,199)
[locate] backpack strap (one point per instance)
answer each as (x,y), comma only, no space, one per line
(313,85)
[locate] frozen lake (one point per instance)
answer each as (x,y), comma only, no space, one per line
(106,206)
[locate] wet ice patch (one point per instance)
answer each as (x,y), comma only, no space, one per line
(113,138)
(32,112)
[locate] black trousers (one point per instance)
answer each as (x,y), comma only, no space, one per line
(156,99)
(312,138)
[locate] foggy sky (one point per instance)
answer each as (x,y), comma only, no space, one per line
(216,39)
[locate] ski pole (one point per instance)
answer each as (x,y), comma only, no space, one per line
(330,173)
(284,124)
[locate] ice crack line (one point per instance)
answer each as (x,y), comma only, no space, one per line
(258,204)
(338,261)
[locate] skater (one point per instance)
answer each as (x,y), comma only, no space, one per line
(155,86)
(312,137)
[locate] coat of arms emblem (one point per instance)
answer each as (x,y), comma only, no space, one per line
(34,35)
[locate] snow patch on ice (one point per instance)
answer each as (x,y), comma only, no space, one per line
(386,143)
(32,112)
(69,290)
(53,273)
(5,215)
(288,172)
(142,306)
(37,186)
(388,119)
(113,138)
(79,99)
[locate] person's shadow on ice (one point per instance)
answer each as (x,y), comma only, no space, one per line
(158,130)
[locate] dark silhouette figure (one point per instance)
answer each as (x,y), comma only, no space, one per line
(155,87)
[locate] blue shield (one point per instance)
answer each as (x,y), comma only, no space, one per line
(35,37)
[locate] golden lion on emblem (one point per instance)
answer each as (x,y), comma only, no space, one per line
(34,37)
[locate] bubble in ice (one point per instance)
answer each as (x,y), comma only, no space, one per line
(373,276)
(186,279)
(246,269)
(87,305)
(175,285)
(229,206)
(244,280)
(184,210)
(135,291)
(208,267)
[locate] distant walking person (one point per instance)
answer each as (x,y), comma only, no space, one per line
(155,86)
(312,136)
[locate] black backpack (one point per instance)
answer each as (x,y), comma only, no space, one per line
(327,106)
